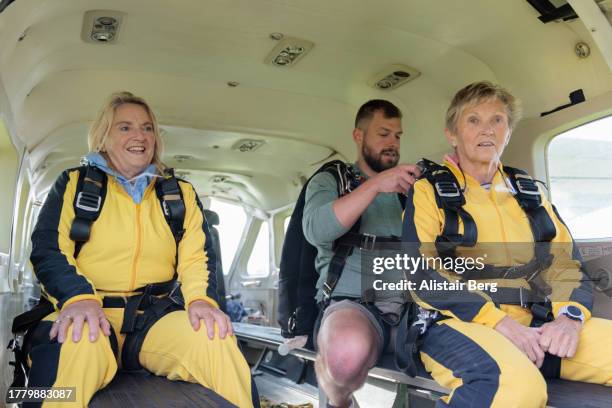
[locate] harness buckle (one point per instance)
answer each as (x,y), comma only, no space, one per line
(367,242)
(447,189)
(175,295)
(425,318)
(13,344)
(327,291)
(511,270)
(88,202)
(524,304)
(526,185)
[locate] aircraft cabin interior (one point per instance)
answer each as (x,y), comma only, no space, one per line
(253,96)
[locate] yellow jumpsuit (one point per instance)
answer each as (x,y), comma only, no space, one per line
(130,246)
(464,352)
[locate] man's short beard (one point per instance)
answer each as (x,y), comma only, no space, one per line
(376,161)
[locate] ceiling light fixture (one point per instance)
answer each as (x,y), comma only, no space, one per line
(393,77)
(101,26)
(288,52)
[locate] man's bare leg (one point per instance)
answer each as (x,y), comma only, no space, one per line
(348,348)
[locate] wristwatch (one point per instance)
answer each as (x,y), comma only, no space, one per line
(573,313)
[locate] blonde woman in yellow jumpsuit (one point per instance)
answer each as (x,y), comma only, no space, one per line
(487,353)
(130,246)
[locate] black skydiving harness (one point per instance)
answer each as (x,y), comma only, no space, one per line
(297,309)
(450,199)
(343,247)
(142,310)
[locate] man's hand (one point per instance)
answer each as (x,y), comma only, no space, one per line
(77,313)
(525,338)
(398,179)
(200,309)
(560,337)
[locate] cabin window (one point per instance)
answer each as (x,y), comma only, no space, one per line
(259,260)
(581,178)
(232,219)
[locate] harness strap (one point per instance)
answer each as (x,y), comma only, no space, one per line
(413,325)
(528,197)
(366,242)
(451,200)
(22,328)
(27,320)
(156,301)
(542,313)
(171,200)
(91,191)
(336,265)
(151,294)
(143,323)
(527,271)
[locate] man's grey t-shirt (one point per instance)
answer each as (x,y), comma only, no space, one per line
(383,217)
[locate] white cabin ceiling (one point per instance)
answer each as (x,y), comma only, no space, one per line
(181,55)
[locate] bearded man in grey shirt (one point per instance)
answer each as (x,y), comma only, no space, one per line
(351,334)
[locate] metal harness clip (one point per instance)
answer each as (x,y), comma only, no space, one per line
(424,319)
(526,185)
(447,189)
(86,201)
(368,242)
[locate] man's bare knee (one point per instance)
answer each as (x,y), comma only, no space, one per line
(348,344)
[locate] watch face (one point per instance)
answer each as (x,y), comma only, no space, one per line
(574,311)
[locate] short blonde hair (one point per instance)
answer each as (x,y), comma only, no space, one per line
(98,133)
(477,93)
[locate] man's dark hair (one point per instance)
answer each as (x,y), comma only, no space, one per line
(368,109)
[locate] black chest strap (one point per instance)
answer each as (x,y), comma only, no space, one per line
(172,204)
(528,197)
(450,199)
(88,202)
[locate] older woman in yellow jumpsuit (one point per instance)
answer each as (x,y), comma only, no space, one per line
(488,352)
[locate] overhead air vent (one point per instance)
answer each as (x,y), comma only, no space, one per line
(393,77)
(247,145)
(288,51)
(101,26)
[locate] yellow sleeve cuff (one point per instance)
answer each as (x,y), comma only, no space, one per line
(489,315)
(204,298)
(558,305)
(78,298)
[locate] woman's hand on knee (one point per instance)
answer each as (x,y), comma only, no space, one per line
(76,314)
(560,337)
(525,338)
(202,310)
